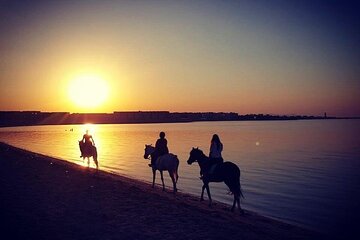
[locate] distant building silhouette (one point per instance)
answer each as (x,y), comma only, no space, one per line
(23,118)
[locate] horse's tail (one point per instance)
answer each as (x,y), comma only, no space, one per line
(234,183)
(236,189)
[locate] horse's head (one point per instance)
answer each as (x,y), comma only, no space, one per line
(195,155)
(148,151)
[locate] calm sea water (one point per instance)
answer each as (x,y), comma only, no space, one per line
(303,172)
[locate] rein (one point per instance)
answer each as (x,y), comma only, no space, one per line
(202,160)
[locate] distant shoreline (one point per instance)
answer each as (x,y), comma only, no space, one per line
(258,120)
(35,118)
(52,198)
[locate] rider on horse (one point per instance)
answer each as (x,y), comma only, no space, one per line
(160,148)
(88,142)
(215,157)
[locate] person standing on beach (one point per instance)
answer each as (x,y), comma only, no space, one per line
(161,148)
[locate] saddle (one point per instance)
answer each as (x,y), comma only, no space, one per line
(212,168)
(209,170)
(213,164)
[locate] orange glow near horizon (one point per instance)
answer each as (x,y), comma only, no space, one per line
(179,56)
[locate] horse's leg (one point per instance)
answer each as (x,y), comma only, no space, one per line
(209,195)
(173,180)
(88,158)
(162,179)
(239,206)
(154,173)
(235,189)
(202,193)
(176,172)
(94,156)
(96,162)
(235,200)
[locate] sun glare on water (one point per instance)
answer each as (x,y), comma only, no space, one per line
(88,91)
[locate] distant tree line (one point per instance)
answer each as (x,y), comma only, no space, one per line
(25,118)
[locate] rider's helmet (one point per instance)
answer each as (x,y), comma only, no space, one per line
(162,134)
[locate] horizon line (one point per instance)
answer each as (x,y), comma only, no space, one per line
(167,111)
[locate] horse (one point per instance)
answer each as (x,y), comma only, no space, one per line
(168,162)
(88,151)
(226,172)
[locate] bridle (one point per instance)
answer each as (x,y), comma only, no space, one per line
(149,154)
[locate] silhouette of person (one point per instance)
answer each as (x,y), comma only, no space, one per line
(216,148)
(88,141)
(215,156)
(161,148)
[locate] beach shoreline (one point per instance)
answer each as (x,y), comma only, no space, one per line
(49,198)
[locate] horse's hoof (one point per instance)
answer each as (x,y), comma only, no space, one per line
(201,199)
(242,212)
(232,209)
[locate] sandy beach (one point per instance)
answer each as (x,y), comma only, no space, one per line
(47,198)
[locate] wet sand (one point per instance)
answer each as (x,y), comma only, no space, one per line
(47,198)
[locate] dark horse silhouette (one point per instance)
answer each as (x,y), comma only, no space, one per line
(226,172)
(88,151)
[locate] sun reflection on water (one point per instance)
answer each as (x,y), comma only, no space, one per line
(274,157)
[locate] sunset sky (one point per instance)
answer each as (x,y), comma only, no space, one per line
(277,57)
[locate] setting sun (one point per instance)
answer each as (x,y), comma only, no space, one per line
(88,91)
